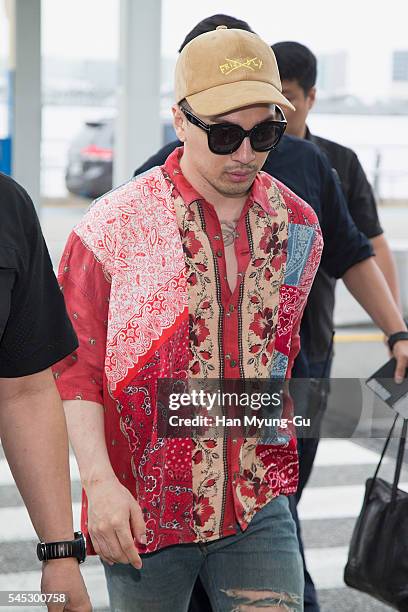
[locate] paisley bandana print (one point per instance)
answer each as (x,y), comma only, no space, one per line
(166,318)
(133,233)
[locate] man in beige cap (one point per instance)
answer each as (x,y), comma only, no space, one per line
(199,269)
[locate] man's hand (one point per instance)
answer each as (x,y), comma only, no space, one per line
(400,352)
(63,576)
(115,521)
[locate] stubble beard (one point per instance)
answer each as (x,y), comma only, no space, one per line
(232,190)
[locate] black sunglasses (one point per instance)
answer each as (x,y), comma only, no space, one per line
(225,138)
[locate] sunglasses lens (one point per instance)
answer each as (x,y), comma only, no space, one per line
(224,139)
(266,135)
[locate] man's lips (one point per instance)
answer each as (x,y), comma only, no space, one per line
(238,176)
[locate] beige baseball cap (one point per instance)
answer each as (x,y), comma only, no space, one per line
(220,71)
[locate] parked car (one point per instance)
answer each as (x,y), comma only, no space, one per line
(90,158)
(89,169)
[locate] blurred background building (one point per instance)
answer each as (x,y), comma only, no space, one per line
(400,74)
(362,85)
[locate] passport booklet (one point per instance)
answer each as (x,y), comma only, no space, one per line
(383,385)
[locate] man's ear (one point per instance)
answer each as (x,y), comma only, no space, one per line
(311,97)
(179,122)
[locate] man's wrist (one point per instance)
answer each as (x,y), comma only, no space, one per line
(63,562)
(90,480)
(57,535)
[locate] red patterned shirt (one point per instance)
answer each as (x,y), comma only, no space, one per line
(198,489)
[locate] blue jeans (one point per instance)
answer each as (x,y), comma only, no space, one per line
(260,568)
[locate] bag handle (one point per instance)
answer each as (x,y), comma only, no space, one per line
(400,457)
(384,450)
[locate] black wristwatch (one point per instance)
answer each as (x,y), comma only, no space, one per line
(394,338)
(63,550)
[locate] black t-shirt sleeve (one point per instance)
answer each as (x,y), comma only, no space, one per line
(7,279)
(355,186)
(361,201)
(158,158)
(35,331)
(344,244)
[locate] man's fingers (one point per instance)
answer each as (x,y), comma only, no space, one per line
(137,523)
(400,369)
(128,547)
(101,549)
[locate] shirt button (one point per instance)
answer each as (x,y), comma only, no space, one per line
(233,363)
(219,253)
(227,356)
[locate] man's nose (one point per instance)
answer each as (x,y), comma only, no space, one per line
(245,154)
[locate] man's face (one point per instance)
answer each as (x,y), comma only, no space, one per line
(230,175)
(302,102)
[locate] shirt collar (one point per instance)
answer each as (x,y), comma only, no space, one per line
(258,194)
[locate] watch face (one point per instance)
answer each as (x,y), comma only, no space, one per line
(81,546)
(41,551)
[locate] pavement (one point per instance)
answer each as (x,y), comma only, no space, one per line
(328,508)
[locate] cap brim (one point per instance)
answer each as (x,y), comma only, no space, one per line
(226,98)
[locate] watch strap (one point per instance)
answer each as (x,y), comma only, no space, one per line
(394,338)
(63,550)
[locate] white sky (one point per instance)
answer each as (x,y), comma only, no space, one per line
(368,30)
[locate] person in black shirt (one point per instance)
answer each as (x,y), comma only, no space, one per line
(298,70)
(35,333)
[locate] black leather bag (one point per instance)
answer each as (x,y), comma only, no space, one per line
(378,555)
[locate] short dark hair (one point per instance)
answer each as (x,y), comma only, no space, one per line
(210,23)
(296,63)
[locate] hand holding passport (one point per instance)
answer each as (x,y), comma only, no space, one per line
(383,384)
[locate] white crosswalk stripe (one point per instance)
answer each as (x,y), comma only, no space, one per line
(333,502)
(319,503)
(344,452)
(15,525)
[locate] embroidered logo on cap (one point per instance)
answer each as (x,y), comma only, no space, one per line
(253,63)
